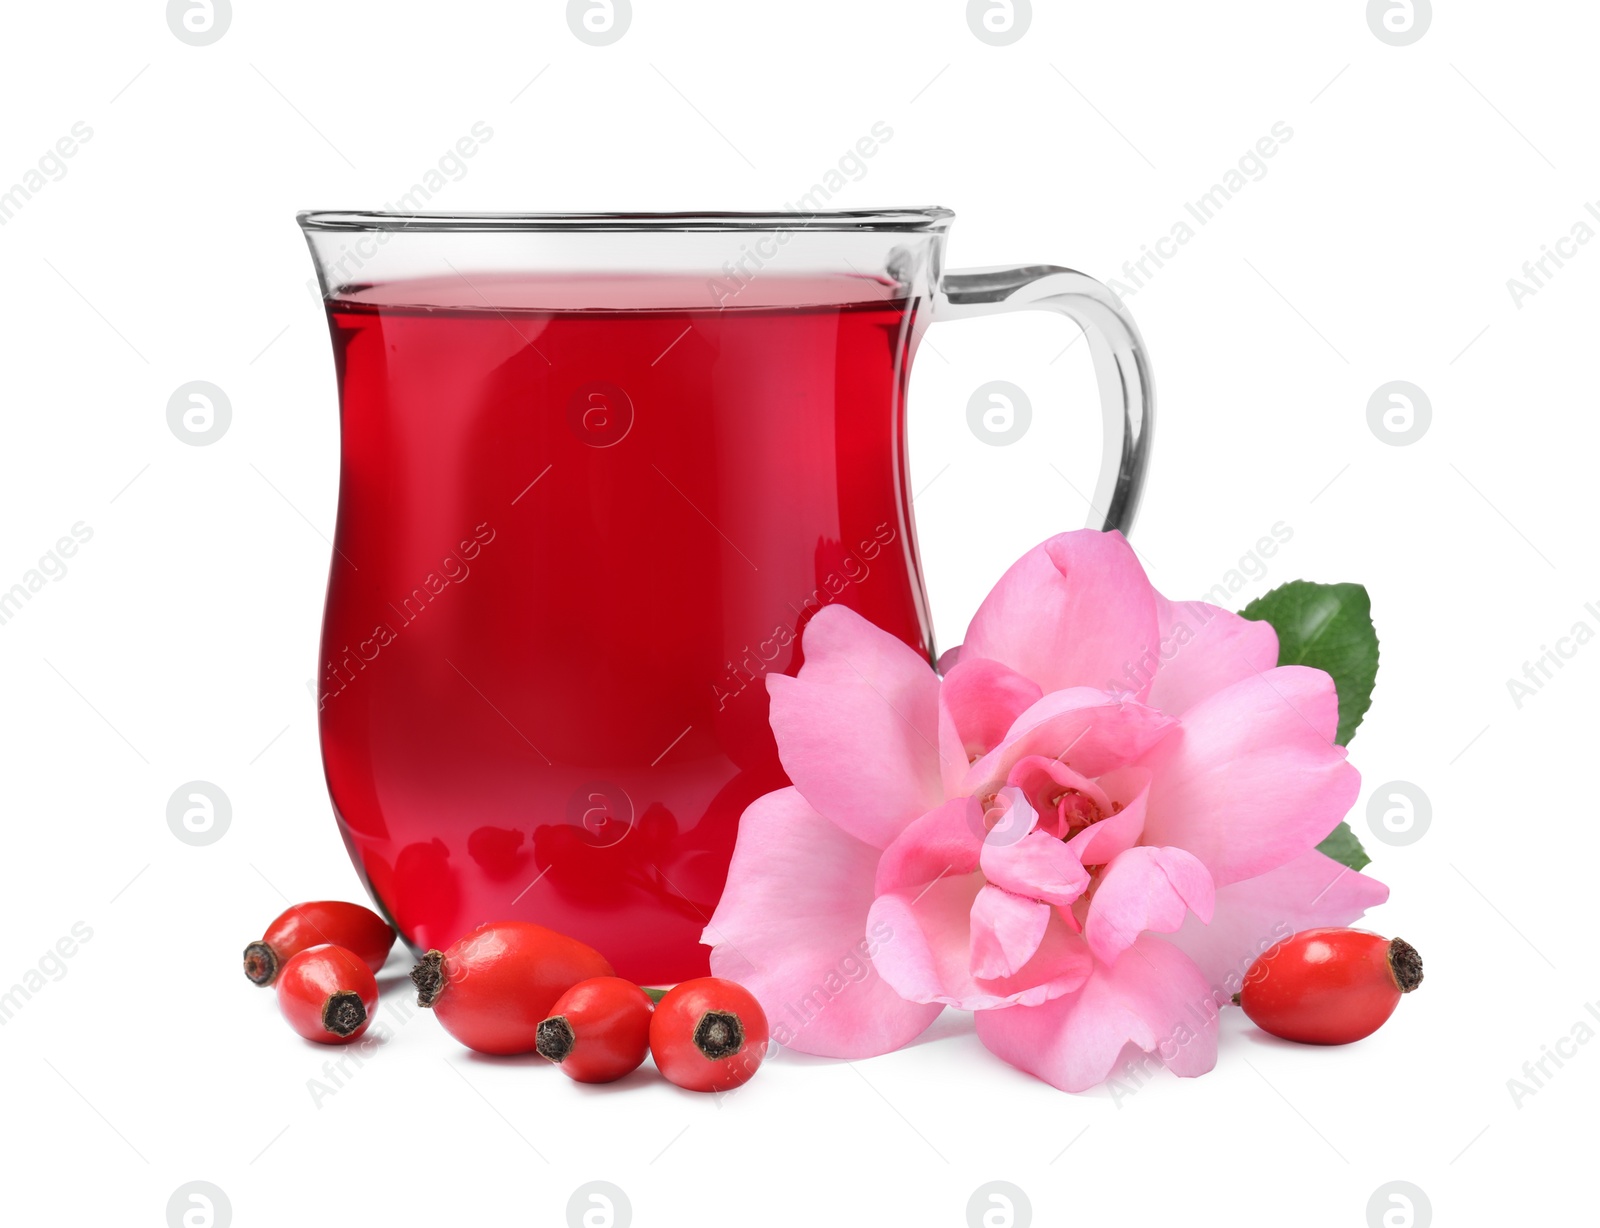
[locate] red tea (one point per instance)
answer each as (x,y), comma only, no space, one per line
(573,539)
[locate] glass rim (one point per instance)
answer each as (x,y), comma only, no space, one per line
(929,218)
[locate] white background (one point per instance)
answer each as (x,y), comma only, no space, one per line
(179,644)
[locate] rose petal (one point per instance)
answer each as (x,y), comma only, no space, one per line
(1252,915)
(1154,999)
(858,728)
(1099,843)
(1044,780)
(792,928)
(1145,888)
(1060,965)
(946,840)
(1038,865)
(1089,731)
(1006,931)
(926,956)
(1074,611)
(1253,779)
(925,952)
(978,702)
(1205,649)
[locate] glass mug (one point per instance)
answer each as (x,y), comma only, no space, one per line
(597,472)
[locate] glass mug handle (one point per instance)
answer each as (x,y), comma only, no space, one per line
(1121,366)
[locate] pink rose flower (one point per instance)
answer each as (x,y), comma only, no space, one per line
(1085,832)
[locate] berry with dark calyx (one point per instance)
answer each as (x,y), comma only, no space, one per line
(1329,986)
(327,994)
(599,1030)
(708,1035)
(319,922)
(493,988)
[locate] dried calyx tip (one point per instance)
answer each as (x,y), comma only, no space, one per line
(343,1012)
(719,1034)
(1406,965)
(554,1039)
(428,977)
(260,963)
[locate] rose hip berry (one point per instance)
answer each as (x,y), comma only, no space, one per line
(493,988)
(356,929)
(327,994)
(599,1030)
(708,1035)
(1329,986)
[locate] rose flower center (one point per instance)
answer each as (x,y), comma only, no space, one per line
(1075,811)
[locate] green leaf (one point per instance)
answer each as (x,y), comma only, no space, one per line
(1328,627)
(1344,848)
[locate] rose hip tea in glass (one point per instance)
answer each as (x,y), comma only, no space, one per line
(597,473)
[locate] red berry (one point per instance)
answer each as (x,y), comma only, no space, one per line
(708,1035)
(599,1030)
(493,988)
(1329,986)
(350,926)
(327,994)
